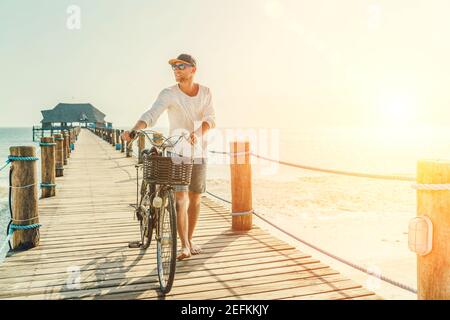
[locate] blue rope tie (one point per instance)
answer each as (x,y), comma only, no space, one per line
(47,185)
(47,144)
(27,227)
(15,158)
(59,139)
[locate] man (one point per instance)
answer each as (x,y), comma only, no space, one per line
(189,107)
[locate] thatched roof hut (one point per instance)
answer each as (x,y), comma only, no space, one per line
(69,113)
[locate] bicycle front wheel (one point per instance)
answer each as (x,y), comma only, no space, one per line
(146,215)
(167,243)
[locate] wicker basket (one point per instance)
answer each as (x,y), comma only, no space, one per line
(167,170)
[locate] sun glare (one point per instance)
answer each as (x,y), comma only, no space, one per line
(398,110)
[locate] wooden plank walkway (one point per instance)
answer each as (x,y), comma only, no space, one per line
(87,227)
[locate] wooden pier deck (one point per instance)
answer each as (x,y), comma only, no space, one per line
(84,254)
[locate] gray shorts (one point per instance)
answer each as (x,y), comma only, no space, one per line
(198,177)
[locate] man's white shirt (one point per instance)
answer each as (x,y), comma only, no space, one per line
(186,114)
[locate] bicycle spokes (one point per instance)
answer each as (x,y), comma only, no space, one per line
(166,248)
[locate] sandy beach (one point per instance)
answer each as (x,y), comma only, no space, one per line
(364,221)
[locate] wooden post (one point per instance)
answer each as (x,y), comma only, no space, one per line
(64,136)
(24,200)
(67,133)
(433,269)
(59,155)
(113,138)
(48,167)
(72,138)
(117,138)
(129,152)
(122,147)
(141,147)
(241,186)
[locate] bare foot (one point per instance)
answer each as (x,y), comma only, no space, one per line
(184,253)
(195,249)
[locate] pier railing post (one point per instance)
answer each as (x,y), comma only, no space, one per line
(65,152)
(118,142)
(141,147)
(72,139)
(48,167)
(433,269)
(24,198)
(241,186)
(69,151)
(129,149)
(122,142)
(113,138)
(59,155)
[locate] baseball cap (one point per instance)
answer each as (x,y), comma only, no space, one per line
(184,58)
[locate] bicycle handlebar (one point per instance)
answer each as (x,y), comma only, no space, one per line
(135,134)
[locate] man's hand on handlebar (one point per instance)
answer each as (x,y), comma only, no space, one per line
(128,135)
(194,137)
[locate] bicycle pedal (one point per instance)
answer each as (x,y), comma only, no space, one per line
(134,244)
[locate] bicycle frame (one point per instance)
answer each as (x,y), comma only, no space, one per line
(160,149)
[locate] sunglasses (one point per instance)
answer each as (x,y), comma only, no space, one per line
(180,66)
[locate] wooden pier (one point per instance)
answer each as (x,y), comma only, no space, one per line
(83,251)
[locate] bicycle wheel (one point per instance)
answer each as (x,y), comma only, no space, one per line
(167,243)
(146,220)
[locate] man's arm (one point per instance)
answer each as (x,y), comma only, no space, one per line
(208,122)
(149,118)
(200,132)
(203,130)
(139,125)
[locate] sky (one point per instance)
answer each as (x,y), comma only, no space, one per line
(269,63)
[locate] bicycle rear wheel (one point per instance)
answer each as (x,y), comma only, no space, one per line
(167,243)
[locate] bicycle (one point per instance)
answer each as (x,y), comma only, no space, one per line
(156,209)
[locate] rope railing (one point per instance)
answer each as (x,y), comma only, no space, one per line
(325,252)
(333,171)
(331,255)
